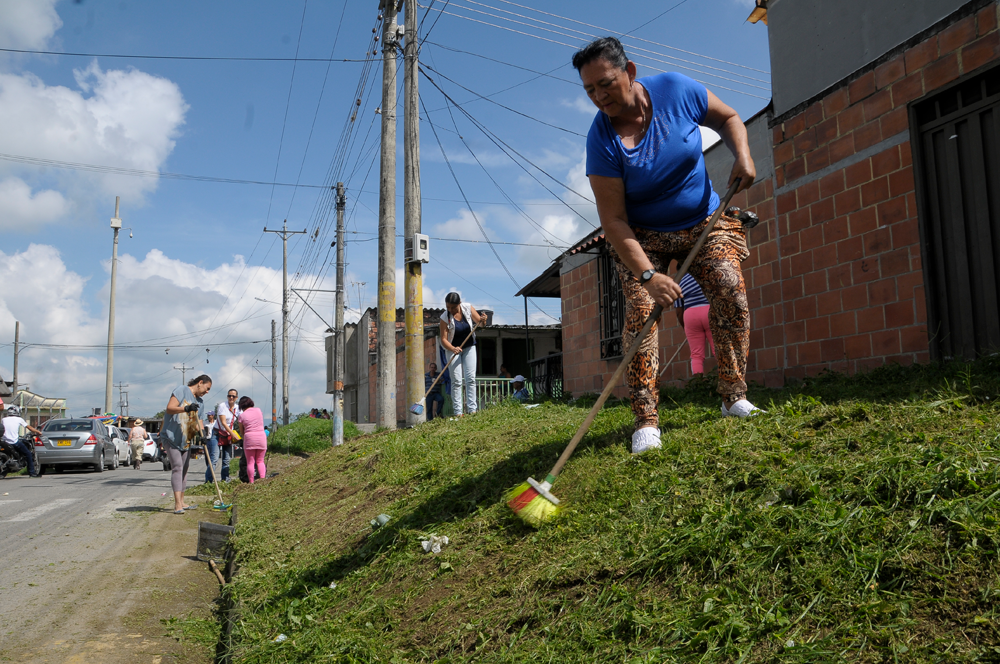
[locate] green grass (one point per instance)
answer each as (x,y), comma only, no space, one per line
(307,435)
(856,521)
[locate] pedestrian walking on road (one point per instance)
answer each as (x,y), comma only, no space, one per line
(182,426)
(254,439)
(137,441)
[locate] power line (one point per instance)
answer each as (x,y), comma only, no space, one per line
(139,56)
(560,43)
(589,36)
(288,103)
(455,239)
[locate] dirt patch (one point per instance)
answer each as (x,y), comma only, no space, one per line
(116,613)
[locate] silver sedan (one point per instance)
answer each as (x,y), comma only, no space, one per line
(76,442)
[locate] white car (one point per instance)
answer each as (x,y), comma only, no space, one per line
(150,450)
(119,437)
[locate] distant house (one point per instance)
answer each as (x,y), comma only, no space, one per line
(877,172)
(37,409)
(497,345)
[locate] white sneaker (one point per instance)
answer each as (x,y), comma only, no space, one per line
(741,408)
(645,439)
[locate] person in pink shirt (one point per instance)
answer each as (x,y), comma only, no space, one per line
(251,425)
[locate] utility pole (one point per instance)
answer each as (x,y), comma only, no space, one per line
(116,224)
(17,349)
(385,383)
(338,327)
(274,380)
(284,233)
(122,403)
(414,286)
(183,369)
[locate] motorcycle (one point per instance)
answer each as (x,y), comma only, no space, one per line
(13,460)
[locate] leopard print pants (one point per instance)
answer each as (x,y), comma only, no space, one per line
(717,271)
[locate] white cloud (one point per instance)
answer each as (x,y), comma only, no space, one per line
(581,104)
(21,208)
(28,25)
(157,297)
(126,119)
(463,227)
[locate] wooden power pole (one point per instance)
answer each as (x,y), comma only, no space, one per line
(116,224)
(414,286)
(284,233)
(338,327)
(385,383)
(274,379)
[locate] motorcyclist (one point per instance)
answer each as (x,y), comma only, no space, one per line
(12,427)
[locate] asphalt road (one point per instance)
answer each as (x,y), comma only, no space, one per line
(81,551)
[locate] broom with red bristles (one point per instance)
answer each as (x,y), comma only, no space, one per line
(532,501)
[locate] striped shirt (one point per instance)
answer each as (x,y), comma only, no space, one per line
(691,294)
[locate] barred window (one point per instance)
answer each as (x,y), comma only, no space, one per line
(612,305)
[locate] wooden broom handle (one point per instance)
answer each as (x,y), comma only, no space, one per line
(462,347)
(657,311)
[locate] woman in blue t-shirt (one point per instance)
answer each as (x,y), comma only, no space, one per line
(654,197)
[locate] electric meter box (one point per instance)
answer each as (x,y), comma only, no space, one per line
(418,249)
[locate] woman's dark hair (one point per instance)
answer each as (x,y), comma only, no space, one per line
(246,402)
(608,48)
(453,298)
(204,378)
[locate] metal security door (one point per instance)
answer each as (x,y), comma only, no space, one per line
(957,148)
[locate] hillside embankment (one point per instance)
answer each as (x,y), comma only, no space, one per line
(856,521)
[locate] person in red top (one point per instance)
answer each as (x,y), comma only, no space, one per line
(251,426)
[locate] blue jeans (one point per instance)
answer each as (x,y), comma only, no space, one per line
(23,449)
(213,449)
(435,397)
(463,373)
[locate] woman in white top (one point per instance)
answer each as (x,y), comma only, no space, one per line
(457,323)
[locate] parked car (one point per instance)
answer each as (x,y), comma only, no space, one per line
(150,450)
(120,438)
(72,442)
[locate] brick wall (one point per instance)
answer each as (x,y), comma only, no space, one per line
(851,284)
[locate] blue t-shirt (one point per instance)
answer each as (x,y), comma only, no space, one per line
(666,185)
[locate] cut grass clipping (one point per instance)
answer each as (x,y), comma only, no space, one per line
(856,521)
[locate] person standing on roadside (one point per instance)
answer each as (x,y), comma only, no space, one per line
(211,445)
(226,415)
(178,438)
(137,441)
(251,426)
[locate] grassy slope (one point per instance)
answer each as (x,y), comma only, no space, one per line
(856,521)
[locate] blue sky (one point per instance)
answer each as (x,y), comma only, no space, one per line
(189,276)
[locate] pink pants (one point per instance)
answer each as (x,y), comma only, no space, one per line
(697,332)
(255,458)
